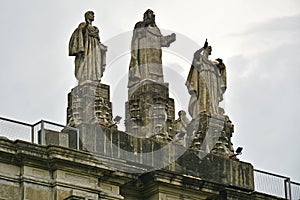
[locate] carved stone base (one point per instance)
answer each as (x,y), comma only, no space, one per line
(212,134)
(150,111)
(89,103)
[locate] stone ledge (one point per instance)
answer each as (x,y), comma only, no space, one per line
(218,169)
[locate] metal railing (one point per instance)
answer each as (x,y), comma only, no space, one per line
(295,190)
(38,132)
(276,185)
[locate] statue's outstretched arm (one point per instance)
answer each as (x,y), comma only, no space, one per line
(167,40)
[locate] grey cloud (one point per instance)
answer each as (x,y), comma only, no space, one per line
(264,95)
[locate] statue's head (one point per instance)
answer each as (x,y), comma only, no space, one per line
(181,113)
(208,49)
(89,16)
(149,17)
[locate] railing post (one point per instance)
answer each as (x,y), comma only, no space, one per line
(290,188)
(32,134)
(287,188)
(43,133)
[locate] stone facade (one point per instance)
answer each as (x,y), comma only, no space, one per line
(37,172)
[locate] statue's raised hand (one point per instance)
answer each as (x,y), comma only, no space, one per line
(173,37)
(205,44)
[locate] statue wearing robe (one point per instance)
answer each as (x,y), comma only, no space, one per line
(90,54)
(146,53)
(205,83)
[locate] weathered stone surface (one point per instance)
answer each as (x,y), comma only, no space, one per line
(49,172)
(211,134)
(40,172)
(89,103)
(9,190)
(218,169)
(36,191)
(54,137)
(150,112)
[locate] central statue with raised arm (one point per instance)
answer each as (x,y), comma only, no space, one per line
(206,83)
(146,51)
(149,110)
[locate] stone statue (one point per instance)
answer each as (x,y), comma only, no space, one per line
(147,40)
(205,83)
(180,126)
(89,52)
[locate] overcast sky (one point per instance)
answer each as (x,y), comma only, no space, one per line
(258,41)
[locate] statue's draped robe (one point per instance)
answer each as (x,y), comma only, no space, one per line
(181,125)
(204,85)
(146,61)
(90,55)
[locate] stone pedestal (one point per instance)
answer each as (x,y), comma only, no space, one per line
(90,103)
(212,134)
(53,138)
(149,111)
(89,107)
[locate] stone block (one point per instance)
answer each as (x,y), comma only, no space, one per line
(54,138)
(110,188)
(9,190)
(36,191)
(36,173)
(89,102)
(75,179)
(218,169)
(9,170)
(149,110)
